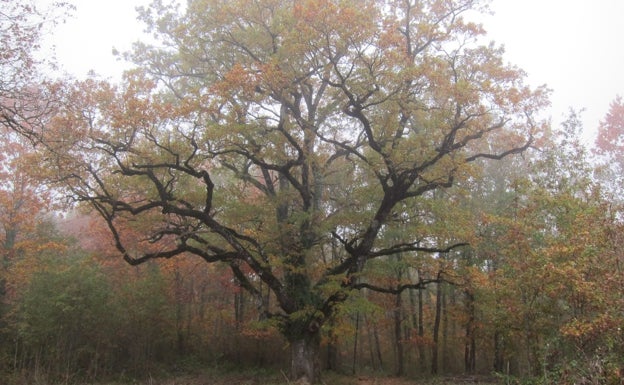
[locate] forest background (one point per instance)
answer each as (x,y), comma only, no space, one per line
(517,267)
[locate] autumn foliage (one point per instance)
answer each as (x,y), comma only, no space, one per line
(348,185)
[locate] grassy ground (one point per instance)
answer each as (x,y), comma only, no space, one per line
(234,376)
(264,377)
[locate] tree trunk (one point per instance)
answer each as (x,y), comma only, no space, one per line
(469,342)
(332,356)
(398,337)
(355,344)
(445,322)
(305,363)
(421,333)
(378,347)
(371,343)
(498,353)
(435,348)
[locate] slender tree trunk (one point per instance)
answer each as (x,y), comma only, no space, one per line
(378,347)
(436,330)
(445,322)
(414,320)
(371,342)
(473,353)
(239,308)
(469,344)
(180,312)
(398,335)
(238,319)
(498,353)
(422,358)
(469,351)
(355,343)
(531,367)
(453,324)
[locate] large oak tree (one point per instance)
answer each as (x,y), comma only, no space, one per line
(288,139)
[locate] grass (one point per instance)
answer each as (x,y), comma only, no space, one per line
(255,376)
(196,375)
(271,377)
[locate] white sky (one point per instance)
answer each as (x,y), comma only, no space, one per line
(575,47)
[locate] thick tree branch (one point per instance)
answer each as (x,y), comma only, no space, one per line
(421,285)
(414,247)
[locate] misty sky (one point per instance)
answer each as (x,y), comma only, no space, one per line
(574,46)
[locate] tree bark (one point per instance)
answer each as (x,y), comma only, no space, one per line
(305,365)
(398,337)
(445,322)
(436,330)
(378,348)
(355,344)
(421,333)
(498,353)
(469,343)
(371,342)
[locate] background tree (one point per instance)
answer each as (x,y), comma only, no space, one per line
(609,151)
(22,104)
(24,200)
(546,246)
(611,129)
(24,101)
(262,134)
(63,324)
